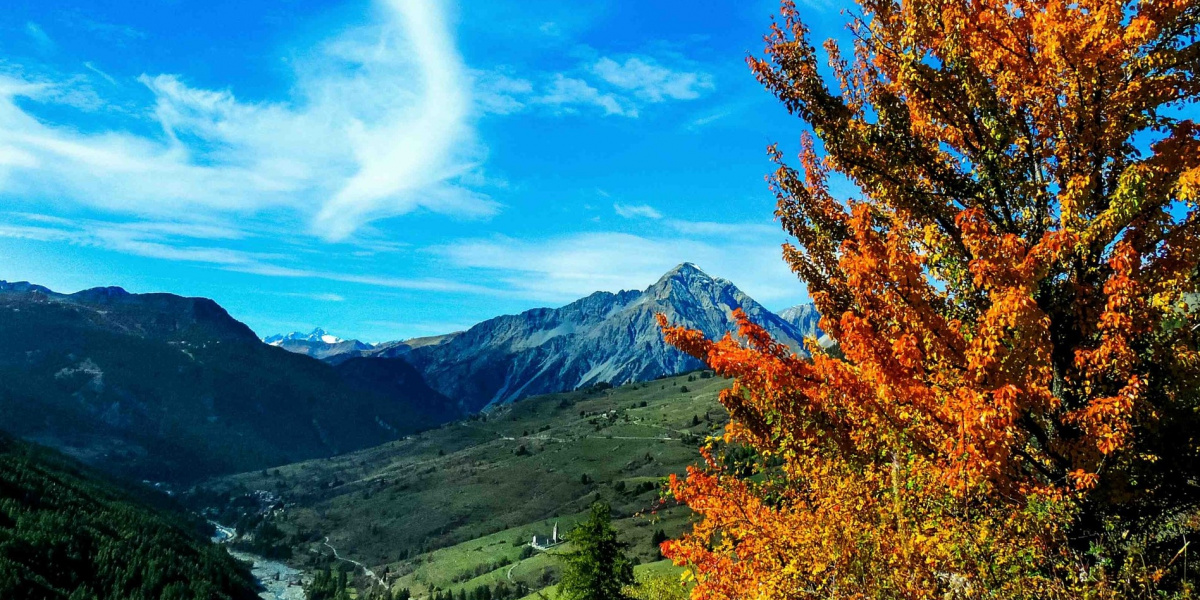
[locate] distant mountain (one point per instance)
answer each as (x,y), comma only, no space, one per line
(806,318)
(403,347)
(316,335)
(604,337)
(166,387)
(317,344)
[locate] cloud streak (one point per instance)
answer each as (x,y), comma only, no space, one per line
(170,241)
(39,37)
(649,81)
(635,211)
(614,88)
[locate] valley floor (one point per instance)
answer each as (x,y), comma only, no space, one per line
(455,508)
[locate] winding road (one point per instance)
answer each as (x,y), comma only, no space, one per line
(369,572)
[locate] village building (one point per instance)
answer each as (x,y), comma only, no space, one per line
(541,542)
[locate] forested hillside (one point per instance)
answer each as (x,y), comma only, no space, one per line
(65,533)
(170,388)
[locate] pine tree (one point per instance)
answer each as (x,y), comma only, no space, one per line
(597,568)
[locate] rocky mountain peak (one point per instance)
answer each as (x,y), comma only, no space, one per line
(806,319)
(686,273)
(688,282)
(316,335)
(22,287)
(604,337)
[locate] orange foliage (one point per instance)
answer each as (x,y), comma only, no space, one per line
(1011,404)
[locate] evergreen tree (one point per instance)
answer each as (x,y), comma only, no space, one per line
(598,568)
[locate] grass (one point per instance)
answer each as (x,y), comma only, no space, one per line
(662,568)
(455,507)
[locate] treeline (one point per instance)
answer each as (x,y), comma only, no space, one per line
(335,584)
(501,591)
(65,533)
(329,584)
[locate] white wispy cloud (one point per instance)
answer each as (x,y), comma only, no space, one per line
(569,93)
(192,243)
(105,76)
(497,92)
(726,230)
(699,229)
(634,211)
(378,125)
(610,87)
(649,81)
(704,121)
(39,36)
(319,297)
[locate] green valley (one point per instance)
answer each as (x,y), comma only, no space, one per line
(455,508)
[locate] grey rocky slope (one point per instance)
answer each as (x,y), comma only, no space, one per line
(604,337)
(805,318)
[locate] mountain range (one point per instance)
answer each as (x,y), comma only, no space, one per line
(166,387)
(317,344)
(603,338)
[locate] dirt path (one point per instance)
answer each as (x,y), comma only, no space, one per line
(369,572)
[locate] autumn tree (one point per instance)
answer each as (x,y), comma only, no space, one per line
(1011,406)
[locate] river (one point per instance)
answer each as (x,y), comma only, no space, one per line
(279,581)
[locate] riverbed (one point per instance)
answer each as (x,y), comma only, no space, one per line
(279,581)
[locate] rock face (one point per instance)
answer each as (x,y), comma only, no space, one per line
(604,337)
(805,318)
(318,344)
(169,388)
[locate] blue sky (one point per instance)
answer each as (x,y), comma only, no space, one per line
(388,168)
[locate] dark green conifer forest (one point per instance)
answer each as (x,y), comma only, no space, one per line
(66,533)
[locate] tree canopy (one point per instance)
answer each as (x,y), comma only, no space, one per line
(1012,404)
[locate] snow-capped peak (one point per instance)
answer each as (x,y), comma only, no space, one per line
(316,335)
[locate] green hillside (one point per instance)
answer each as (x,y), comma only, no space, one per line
(455,508)
(64,533)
